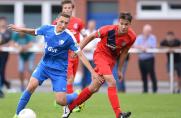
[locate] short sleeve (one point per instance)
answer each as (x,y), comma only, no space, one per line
(14,36)
(6,37)
(178,42)
(132,37)
(30,38)
(153,44)
(81,25)
(101,32)
(74,46)
(163,43)
(138,40)
(41,30)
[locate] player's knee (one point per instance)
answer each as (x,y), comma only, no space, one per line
(31,87)
(61,101)
(112,82)
(93,88)
(70,80)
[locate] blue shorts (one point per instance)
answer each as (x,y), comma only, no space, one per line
(58,79)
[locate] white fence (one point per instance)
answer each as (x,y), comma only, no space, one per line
(37,49)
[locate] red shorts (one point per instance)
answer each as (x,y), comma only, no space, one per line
(72,66)
(104,64)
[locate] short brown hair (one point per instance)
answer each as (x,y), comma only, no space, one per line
(170,33)
(125,16)
(67,2)
(64,15)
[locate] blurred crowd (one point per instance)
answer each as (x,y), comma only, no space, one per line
(146,61)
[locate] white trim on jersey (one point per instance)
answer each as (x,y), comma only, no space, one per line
(71,34)
(36,31)
(74,39)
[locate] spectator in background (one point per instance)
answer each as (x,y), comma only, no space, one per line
(146,60)
(24,42)
(5,37)
(172,42)
(88,51)
(121,83)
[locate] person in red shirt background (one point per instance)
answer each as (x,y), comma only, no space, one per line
(115,42)
(76,26)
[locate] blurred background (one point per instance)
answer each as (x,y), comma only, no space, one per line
(162,15)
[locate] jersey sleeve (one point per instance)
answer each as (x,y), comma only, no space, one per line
(132,41)
(81,25)
(132,36)
(30,38)
(74,46)
(177,42)
(41,30)
(153,44)
(138,40)
(163,43)
(14,36)
(6,37)
(100,33)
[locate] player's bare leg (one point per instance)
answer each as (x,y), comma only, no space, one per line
(83,96)
(32,85)
(21,75)
(60,98)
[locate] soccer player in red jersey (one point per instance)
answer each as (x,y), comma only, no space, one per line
(115,42)
(76,26)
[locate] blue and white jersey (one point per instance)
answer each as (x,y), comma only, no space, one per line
(56,47)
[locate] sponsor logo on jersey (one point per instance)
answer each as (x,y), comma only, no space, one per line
(50,49)
(113,47)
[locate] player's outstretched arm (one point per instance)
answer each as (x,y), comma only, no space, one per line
(21,29)
(122,58)
(87,40)
(89,67)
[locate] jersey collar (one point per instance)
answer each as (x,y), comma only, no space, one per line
(57,33)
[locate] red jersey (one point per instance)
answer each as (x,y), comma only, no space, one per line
(111,42)
(75,26)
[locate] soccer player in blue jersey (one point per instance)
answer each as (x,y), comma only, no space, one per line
(53,65)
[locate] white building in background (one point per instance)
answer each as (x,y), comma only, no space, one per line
(32,13)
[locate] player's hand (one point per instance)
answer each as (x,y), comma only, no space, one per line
(120,75)
(73,55)
(98,77)
(13,27)
(23,49)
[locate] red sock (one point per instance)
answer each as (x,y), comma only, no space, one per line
(83,96)
(69,88)
(113,98)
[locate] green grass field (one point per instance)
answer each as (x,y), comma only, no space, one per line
(141,106)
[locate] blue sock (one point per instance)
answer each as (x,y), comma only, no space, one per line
(23,101)
(71,97)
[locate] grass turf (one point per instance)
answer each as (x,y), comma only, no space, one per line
(141,106)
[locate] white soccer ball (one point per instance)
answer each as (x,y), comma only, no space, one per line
(27,113)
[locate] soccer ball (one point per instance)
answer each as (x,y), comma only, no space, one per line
(27,113)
